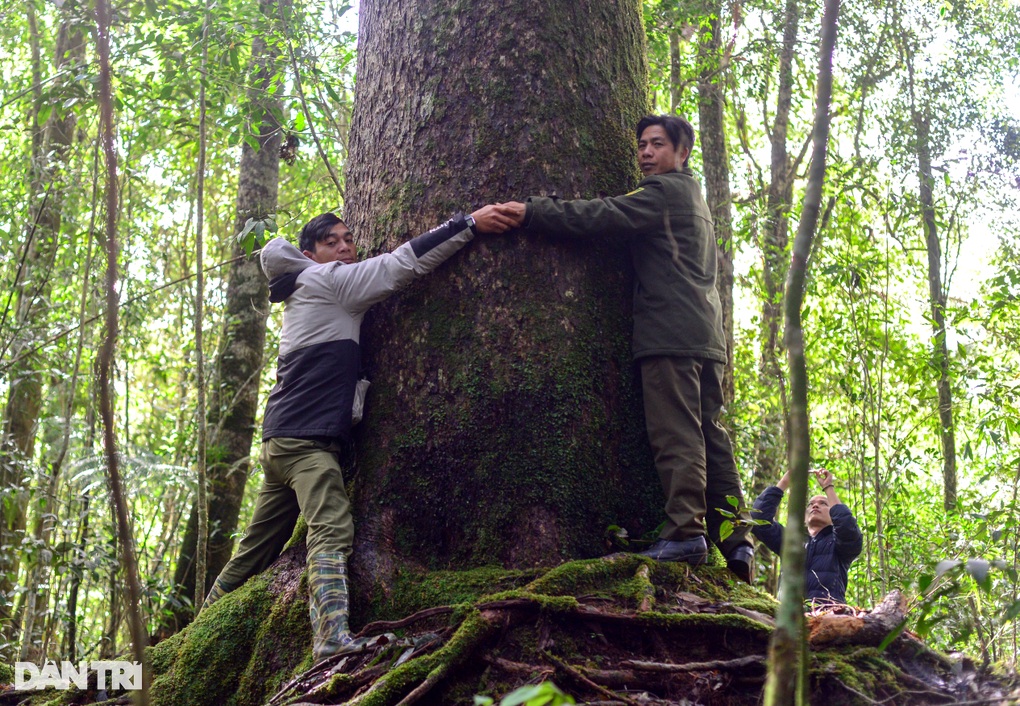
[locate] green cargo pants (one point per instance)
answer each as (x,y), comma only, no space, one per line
(693,454)
(301,476)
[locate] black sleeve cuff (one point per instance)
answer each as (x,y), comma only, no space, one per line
(437,236)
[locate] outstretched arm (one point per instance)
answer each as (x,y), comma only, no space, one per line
(637,212)
(765,509)
(849,540)
(360,285)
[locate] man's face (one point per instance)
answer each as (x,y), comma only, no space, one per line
(337,246)
(818,513)
(656,153)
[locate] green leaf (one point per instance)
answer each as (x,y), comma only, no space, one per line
(892,636)
(544,694)
(1011,612)
(299,123)
(332,93)
(725,530)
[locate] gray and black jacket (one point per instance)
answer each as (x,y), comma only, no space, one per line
(829,553)
(320,353)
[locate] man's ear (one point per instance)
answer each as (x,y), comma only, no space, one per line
(681,156)
(309,254)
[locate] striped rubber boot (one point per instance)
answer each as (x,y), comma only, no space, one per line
(218,590)
(327,605)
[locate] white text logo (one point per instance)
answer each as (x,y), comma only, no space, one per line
(109,675)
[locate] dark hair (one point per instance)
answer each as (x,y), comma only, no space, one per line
(679,131)
(316,230)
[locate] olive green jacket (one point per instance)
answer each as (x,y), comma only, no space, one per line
(669,228)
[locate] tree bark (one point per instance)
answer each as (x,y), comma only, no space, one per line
(202,499)
(787,677)
(504,423)
(233,399)
(937,299)
(128,563)
(21,415)
(771,451)
(716,163)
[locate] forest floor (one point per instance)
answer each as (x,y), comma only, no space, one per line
(626,630)
(620,630)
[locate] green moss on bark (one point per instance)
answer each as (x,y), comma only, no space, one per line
(242,648)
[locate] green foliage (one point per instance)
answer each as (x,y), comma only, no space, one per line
(544,694)
(867,323)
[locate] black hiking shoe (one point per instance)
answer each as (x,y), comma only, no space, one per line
(693,551)
(741,562)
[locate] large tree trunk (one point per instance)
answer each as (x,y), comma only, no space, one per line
(21,415)
(503,424)
(716,163)
(233,399)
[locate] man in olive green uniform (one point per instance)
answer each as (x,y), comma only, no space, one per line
(678,334)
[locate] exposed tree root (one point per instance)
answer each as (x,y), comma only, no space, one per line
(391,625)
(578,676)
(664,641)
(740,663)
(619,631)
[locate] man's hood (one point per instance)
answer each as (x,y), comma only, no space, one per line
(282,263)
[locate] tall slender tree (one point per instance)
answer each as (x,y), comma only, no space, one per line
(233,402)
(32,287)
(788,674)
(202,497)
(771,449)
(106,354)
(715,159)
(920,119)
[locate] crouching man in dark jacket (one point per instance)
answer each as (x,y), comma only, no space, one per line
(834,543)
(326,293)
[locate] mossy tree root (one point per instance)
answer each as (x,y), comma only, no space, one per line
(419,667)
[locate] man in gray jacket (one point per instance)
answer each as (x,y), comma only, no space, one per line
(678,335)
(326,293)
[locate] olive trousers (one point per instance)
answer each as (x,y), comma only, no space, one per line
(683,400)
(301,477)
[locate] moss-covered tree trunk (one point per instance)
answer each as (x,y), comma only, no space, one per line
(503,425)
(234,388)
